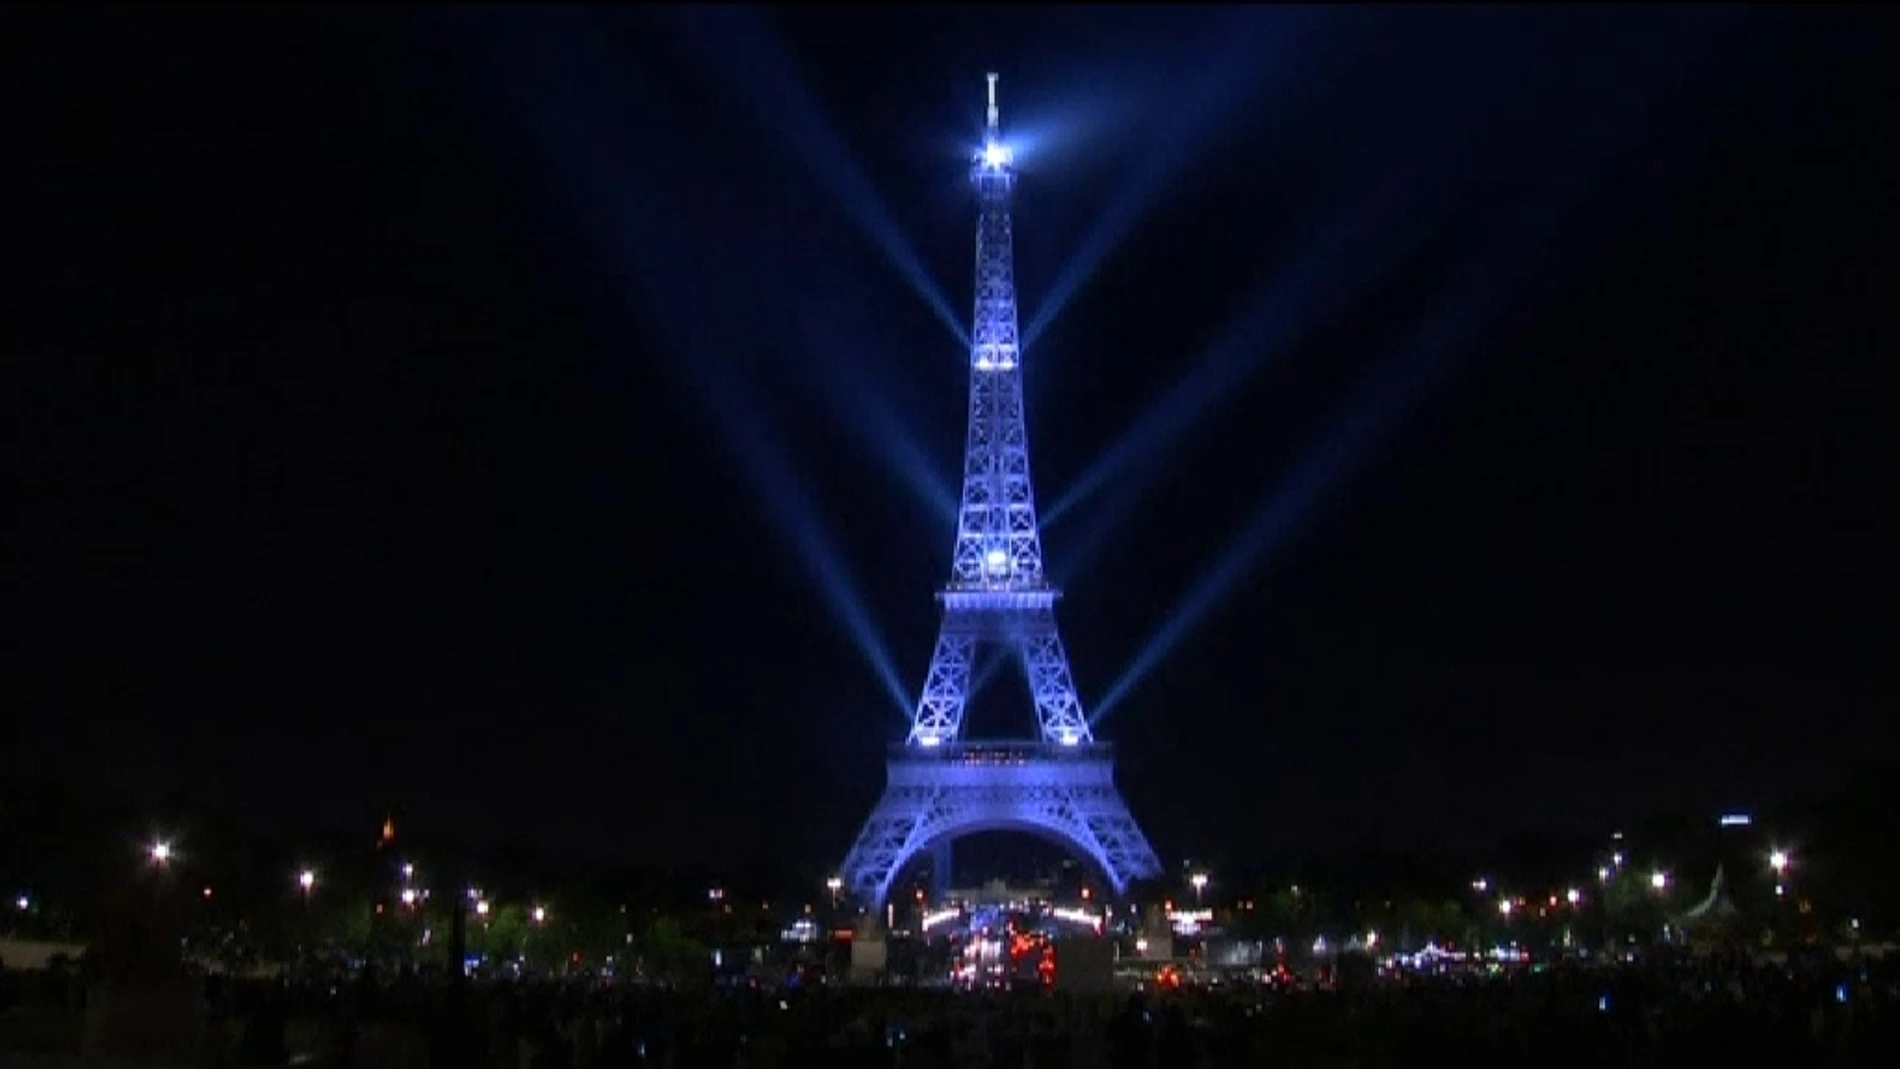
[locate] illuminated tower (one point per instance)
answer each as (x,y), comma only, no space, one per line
(941,787)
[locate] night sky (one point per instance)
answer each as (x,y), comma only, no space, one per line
(467,412)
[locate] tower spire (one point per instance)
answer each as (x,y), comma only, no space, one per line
(994,116)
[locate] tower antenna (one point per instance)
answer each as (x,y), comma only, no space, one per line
(993,115)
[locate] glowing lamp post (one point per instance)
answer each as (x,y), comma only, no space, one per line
(540,915)
(1659,881)
(161,853)
(836,886)
(1199,882)
(1778,861)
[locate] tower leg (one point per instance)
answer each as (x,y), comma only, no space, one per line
(946,688)
(1058,709)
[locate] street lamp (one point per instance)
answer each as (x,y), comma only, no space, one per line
(540,915)
(1199,882)
(1573,896)
(1659,879)
(161,852)
(1778,860)
(834,885)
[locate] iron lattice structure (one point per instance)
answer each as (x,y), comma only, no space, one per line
(941,787)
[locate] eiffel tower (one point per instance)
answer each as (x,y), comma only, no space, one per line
(1059,786)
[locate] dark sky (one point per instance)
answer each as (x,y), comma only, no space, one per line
(435,409)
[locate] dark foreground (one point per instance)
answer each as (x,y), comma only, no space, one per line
(1689,1015)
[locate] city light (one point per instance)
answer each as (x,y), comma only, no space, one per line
(1504,907)
(1659,879)
(408,896)
(161,852)
(1778,861)
(481,908)
(306,879)
(1076,916)
(540,915)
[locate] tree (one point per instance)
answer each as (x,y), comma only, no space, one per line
(1631,908)
(668,951)
(501,934)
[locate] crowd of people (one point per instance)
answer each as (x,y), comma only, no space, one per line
(1705,1011)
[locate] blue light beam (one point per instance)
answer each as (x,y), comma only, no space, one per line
(756,68)
(1305,295)
(987,672)
(1336,456)
(1218,89)
(635,226)
(734,410)
(869,415)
